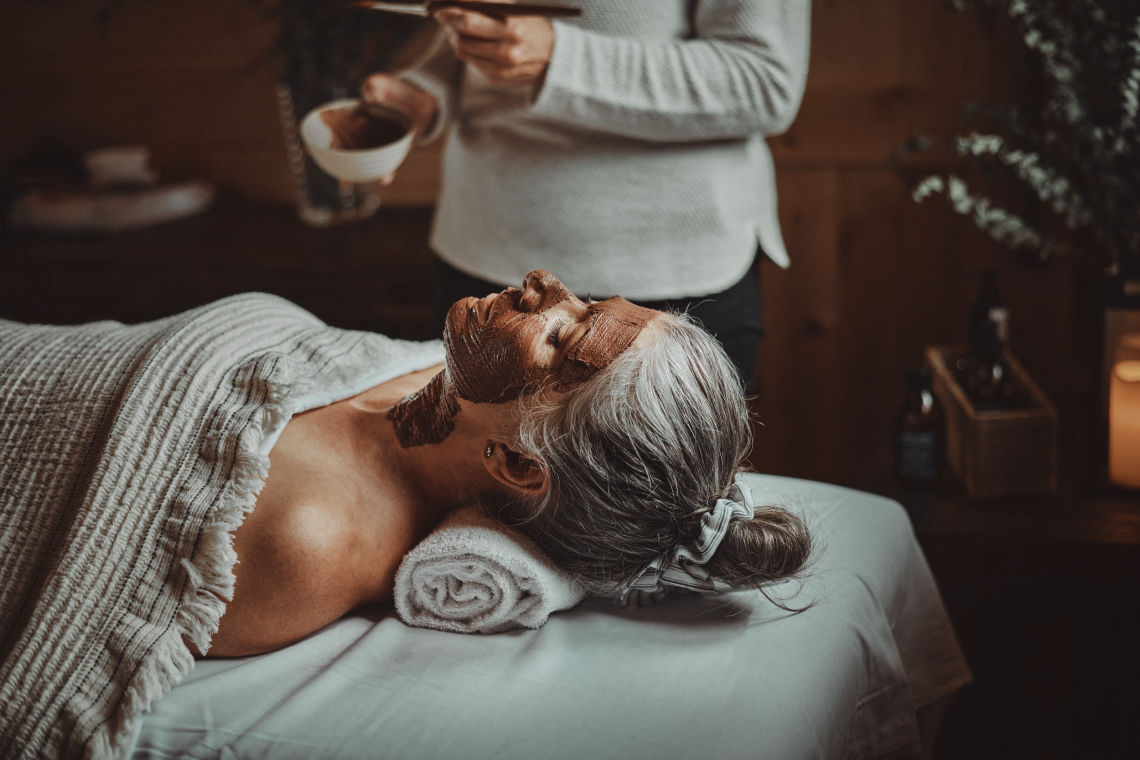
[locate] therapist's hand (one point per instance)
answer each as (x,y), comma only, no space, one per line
(387,90)
(515,50)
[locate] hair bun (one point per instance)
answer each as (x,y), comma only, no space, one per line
(773,545)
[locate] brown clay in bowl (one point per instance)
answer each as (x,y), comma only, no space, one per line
(356,128)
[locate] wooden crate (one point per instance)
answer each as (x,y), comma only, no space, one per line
(994,453)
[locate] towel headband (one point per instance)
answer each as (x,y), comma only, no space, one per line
(684,565)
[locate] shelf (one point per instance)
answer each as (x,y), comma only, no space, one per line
(376,275)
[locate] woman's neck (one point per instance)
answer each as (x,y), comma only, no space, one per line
(437,457)
(426,416)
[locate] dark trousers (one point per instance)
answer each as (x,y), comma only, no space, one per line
(734,316)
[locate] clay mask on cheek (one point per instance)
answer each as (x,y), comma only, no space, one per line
(486,363)
(489,362)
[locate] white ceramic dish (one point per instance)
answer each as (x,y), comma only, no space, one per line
(365,165)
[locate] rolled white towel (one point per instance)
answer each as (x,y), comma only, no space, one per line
(473,574)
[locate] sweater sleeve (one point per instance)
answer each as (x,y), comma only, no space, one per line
(743,72)
(439,73)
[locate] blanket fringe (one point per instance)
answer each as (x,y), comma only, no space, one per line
(210,573)
(166,427)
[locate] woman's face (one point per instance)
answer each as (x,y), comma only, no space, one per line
(505,342)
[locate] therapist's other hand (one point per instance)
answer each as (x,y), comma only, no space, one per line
(515,50)
(387,90)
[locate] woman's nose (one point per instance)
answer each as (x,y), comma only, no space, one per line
(540,291)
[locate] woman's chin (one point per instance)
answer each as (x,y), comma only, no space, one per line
(459,315)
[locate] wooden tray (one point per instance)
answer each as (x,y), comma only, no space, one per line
(995,453)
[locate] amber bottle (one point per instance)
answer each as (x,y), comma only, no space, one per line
(990,383)
(919,433)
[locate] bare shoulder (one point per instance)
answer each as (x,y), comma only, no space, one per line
(293,577)
(302,545)
(326,535)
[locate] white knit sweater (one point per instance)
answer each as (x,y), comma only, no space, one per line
(639,167)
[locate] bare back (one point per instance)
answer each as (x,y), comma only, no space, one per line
(330,526)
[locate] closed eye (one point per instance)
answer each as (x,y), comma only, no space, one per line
(553,336)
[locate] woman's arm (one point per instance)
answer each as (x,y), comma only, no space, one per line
(743,73)
(427,93)
(439,74)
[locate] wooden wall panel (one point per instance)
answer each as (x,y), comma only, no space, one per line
(897,276)
(186,79)
(182,78)
(797,402)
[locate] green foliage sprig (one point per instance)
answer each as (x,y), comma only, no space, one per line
(1081,157)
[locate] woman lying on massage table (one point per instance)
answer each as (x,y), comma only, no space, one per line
(609,433)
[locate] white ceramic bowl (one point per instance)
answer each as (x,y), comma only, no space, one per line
(365,165)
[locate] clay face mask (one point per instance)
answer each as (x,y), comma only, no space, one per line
(489,358)
(425,416)
(488,362)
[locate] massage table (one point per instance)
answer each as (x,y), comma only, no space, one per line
(729,676)
(128,454)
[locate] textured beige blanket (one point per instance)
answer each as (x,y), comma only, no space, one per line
(128,454)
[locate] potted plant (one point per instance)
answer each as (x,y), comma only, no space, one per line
(1077,160)
(1080,157)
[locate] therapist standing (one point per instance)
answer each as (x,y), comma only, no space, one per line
(624,149)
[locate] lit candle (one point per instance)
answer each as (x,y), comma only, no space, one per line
(1124,424)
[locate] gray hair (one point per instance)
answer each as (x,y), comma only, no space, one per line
(637,454)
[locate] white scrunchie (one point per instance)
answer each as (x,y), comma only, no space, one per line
(684,566)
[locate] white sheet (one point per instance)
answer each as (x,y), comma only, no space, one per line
(724,677)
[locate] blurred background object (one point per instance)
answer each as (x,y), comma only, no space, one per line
(322,51)
(118,190)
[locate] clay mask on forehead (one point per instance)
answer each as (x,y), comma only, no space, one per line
(614,325)
(487,364)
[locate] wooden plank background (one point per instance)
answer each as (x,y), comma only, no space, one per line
(875,278)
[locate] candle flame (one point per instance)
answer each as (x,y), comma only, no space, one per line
(1128,371)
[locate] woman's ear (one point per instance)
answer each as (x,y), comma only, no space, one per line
(514,470)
